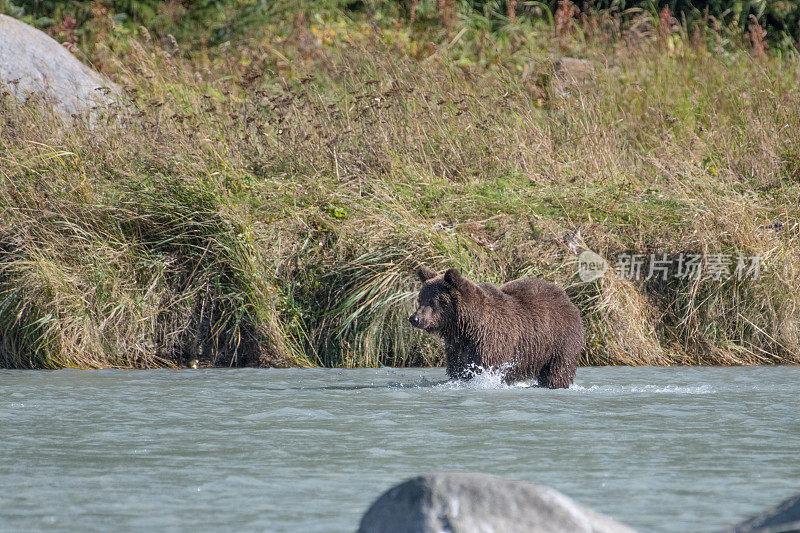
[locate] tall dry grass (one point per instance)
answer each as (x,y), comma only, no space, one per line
(266,204)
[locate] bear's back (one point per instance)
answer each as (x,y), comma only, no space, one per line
(528,288)
(543,302)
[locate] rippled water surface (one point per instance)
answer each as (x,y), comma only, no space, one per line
(662,449)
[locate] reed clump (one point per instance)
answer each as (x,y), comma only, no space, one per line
(266,203)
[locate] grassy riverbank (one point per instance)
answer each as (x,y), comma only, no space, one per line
(265,202)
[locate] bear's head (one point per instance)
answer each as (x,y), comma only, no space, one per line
(439,298)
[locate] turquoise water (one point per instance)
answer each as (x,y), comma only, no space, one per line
(661,449)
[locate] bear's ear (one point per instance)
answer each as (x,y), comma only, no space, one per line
(424,273)
(454,278)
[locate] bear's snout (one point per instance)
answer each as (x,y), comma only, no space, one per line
(420,319)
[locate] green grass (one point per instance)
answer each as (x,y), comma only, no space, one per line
(267,205)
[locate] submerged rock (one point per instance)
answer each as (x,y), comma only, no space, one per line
(479,503)
(783,518)
(31,62)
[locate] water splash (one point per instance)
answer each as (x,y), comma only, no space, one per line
(481,378)
(492,378)
(646,389)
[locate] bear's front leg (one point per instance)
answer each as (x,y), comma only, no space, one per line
(556,374)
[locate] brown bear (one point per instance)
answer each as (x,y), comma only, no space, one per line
(527,328)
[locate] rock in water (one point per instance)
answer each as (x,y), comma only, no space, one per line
(479,503)
(32,62)
(783,518)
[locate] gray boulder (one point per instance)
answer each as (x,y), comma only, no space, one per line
(783,518)
(478,503)
(33,62)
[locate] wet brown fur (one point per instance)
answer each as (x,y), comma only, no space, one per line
(528,327)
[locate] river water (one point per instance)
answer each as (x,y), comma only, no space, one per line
(661,449)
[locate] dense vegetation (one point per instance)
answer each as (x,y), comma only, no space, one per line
(265,200)
(215,21)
